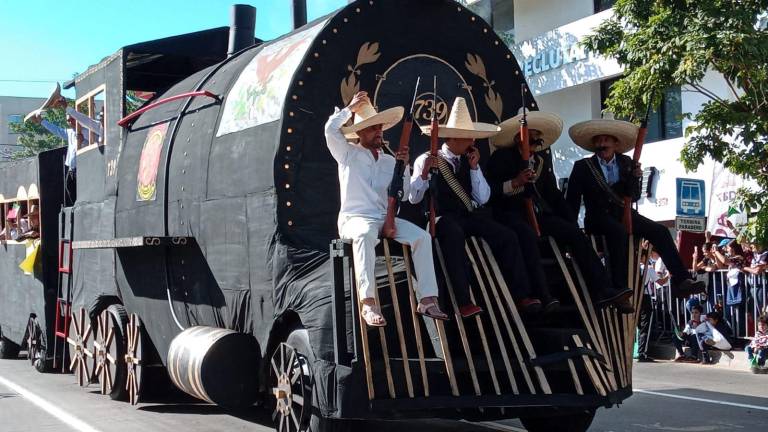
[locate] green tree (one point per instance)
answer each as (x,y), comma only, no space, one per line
(34,138)
(663,43)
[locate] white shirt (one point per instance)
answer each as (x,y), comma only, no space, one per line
(363,179)
(481,192)
(650,278)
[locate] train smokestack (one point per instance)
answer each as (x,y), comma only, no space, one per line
(242,27)
(299,13)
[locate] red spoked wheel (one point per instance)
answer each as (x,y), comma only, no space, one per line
(291,389)
(109,348)
(80,347)
(133,355)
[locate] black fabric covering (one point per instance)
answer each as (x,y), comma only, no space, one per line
(22,296)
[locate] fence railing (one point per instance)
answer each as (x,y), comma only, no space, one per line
(741,304)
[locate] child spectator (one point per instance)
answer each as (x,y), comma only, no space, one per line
(689,335)
(757,350)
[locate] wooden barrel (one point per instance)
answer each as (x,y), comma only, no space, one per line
(216,365)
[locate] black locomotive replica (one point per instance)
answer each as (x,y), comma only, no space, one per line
(202,240)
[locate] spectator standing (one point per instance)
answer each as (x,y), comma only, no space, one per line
(646,308)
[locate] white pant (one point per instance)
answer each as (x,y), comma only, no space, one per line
(364,233)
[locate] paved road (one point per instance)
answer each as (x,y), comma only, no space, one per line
(670,397)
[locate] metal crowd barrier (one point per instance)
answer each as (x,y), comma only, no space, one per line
(741,313)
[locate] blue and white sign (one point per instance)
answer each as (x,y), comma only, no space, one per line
(690,197)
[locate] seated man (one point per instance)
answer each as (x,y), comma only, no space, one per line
(460,188)
(688,335)
(603,180)
(512,181)
(364,175)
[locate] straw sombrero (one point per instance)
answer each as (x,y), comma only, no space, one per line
(626,132)
(550,125)
(53,97)
(367,116)
(460,125)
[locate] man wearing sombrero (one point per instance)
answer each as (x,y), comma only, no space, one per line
(603,180)
(461,189)
(365,172)
(512,180)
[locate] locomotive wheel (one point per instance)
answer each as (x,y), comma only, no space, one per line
(578,422)
(35,350)
(109,348)
(291,389)
(292,385)
(80,350)
(133,356)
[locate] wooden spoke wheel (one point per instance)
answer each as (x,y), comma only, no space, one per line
(133,356)
(35,350)
(291,389)
(80,349)
(109,348)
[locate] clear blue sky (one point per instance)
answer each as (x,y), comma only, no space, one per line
(51,40)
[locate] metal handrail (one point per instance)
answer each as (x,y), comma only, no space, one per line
(127,120)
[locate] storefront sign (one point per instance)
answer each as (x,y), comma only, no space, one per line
(555,60)
(692,224)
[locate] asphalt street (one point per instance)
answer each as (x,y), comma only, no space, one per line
(668,397)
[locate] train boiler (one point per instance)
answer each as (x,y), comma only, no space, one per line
(204,238)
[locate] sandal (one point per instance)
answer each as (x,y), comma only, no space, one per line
(431,310)
(371,314)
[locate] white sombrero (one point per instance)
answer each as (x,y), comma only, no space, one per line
(367,116)
(54,96)
(460,125)
(624,131)
(550,125)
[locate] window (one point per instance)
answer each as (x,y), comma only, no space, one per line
(664,122)
(500,14)
(601,5)
(91,120)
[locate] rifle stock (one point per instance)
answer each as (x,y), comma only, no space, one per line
(395,190)
(433,145)
(525,152)
(639,141)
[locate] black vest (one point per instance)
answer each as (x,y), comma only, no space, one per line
(447,202)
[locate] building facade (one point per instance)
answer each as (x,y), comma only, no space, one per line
(12,110)
(544,36)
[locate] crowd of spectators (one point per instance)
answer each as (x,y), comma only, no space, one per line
(735,304)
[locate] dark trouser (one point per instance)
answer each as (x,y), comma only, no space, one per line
(644,325)
(693,343)
(616,236)
(569,234)
(529,242)
(452,231)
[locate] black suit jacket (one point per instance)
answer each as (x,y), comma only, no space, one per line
(583,184)
(505,164)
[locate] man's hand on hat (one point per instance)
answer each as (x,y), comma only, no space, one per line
(36,117)
(358,100)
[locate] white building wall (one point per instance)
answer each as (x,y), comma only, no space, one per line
(533,17)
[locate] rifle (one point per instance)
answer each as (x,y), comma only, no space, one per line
(433,145)
(627,219)
(395,190)
(525,152)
